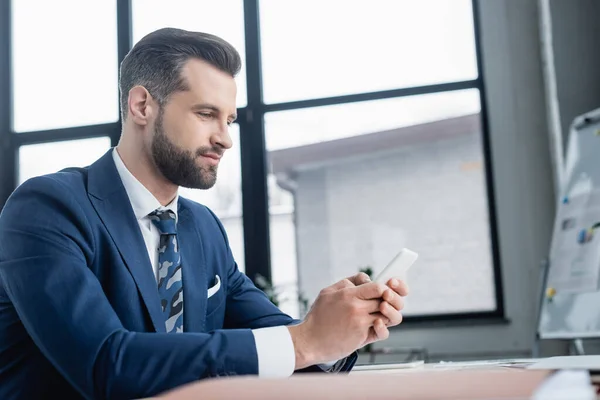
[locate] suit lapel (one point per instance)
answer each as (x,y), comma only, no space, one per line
(112,204)
(193,272)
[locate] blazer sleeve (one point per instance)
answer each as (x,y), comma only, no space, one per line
(46,245)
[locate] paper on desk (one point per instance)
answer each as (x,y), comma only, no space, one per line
(572,385)
(387,368)
(478,364)
(588,363)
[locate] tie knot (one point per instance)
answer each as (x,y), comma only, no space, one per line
(164,220)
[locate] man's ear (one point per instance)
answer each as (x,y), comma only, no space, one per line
(141,105)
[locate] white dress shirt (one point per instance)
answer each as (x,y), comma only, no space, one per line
(274,346)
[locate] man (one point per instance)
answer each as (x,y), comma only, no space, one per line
(113,286)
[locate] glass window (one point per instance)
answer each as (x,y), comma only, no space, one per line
(46,158)
(314,48)
(313,125)
(361,181)
(225,197)
(224,18)
(65,70)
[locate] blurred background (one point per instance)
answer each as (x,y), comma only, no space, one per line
(364,127)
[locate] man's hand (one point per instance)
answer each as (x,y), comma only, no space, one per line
(389,316)
(389,311)
(359,279)
(393,298)
(346,316)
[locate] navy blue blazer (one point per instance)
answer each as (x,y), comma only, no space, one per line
(79,309)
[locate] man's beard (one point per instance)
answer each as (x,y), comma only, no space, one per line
(179,165)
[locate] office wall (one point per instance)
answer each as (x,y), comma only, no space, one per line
(570,34)
(523,184)
(576,45)
(429,197)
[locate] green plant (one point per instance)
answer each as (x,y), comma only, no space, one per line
(274,294)
(267,287)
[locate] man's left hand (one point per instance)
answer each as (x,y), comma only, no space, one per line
(393,303)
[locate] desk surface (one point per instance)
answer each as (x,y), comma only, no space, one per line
(423,384)
(486,379)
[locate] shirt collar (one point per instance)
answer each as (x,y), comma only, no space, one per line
(142,201)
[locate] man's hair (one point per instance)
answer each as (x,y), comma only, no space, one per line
(156,61)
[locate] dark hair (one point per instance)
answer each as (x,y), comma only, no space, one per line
(156,61)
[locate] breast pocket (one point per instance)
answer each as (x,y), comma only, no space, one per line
(216,297)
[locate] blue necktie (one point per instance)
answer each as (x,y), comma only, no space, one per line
(170,287)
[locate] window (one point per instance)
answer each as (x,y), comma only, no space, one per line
(370,178)
(223,18)
(225,197)
(46,158)
(314,48)
(301,127)
(64,68)
(348,183)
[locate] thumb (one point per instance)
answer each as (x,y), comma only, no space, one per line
(359,279)
(372,290)
(343,284)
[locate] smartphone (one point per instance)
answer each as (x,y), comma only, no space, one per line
(398,267)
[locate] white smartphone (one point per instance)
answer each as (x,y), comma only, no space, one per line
(398,267)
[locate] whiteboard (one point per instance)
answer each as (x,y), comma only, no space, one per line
(569,313)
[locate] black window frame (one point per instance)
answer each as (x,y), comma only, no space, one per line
(254,168)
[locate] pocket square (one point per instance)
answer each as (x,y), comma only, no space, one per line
(215,288)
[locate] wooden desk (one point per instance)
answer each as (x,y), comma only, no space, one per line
(423,384)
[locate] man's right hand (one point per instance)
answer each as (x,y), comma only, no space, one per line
(344,317)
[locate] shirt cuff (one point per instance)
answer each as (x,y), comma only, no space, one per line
(275,351)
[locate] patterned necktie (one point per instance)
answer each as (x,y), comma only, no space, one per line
(170,287)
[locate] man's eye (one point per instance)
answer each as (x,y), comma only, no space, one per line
(205,115)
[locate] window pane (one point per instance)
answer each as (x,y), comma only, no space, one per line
(225,198)
(64,63)
(224,18)
(314,48)
(46,158)
(371,178)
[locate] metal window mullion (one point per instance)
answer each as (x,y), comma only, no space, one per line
(255,200)
(8,151)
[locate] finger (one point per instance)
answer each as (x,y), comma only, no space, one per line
(398,286)
(377,315)
(393,316)
(370,306)
(394,299)
(343,284)
(371,290)
(371,337)
(381,330)
(359,279)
